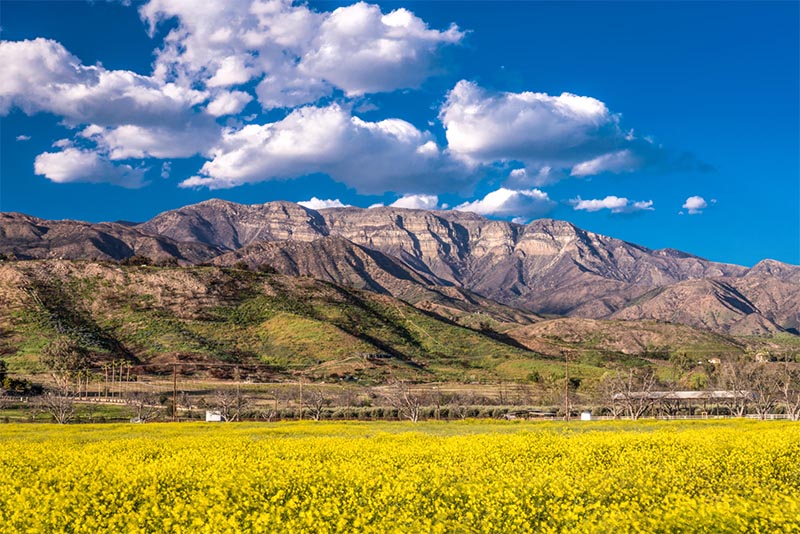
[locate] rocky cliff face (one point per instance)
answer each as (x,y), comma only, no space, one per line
(547,266)
(332,259)
(231,226)
(339,261)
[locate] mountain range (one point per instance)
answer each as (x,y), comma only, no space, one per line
(453,263)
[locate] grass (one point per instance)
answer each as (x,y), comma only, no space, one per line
(225,315)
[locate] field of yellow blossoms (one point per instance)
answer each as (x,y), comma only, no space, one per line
(582,477)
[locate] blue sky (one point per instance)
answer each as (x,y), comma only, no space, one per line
(665,124)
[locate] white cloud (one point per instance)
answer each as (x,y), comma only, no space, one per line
(303,55)
(318,204)
(545,175)
(23,138)
(417,202)
(233,70)
(376,205)
(129,115)
(361,50)
(521,204)
(695,205)
(63,143)
(215,52)
(197,135)
(373,157)
(166,169)
(41,75)
(548,134)
(228,103)
(613,203)
(616,162)
(76,165)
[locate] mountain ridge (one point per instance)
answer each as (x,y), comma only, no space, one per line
(545,267)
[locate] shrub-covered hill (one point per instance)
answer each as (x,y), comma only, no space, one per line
(155,315)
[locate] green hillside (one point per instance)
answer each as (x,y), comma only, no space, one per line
(288,325)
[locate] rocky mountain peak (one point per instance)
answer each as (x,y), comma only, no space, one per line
(777,269)
(547,266)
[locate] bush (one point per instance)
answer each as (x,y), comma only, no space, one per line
(136,260)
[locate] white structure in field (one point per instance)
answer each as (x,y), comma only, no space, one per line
(213,416)
(586,416)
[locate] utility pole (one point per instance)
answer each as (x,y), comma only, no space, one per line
(566,384)
(301,398)
(174,392)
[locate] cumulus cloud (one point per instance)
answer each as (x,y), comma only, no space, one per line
(23,138)
(612,203)
(523,204)
(361,50)
(416,202)
(301,54)
(41,75)
(319,204)
(196,136)
(215,54)
(548,134)
(695,205)
(77,165)
(373,157)
(129,115)
(228,103)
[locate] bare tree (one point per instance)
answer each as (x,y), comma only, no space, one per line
(318,401)
(145,406)
(348,397)
(460,403)
(59,405)
(789,391)
(764,387)
(407,403)
(185,403)
(230,404)
(267,411)
(632,391)
(734,376)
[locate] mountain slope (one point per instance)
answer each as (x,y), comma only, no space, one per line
(645,338)
(711,304)
(546,267)
(154,315)
(30,237)
(230,226)
(340,261)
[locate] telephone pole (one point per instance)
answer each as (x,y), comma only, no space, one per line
(174,392)
(301,398)
(566,384)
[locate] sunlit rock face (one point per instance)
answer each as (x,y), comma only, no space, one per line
(547,266)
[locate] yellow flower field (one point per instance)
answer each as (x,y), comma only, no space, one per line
(582,477)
